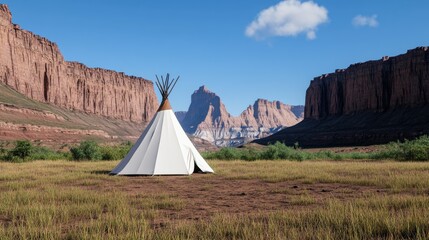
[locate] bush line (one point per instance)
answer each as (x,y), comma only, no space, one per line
(23,151)
(415,150)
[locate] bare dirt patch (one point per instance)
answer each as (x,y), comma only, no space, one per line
(5,220)
(204,196)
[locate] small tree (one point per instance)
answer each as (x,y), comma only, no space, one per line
(22,149)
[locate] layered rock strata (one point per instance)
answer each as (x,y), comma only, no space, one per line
(208,118)
(35,67)
(368,103)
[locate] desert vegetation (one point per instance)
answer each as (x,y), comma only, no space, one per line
(24,151)
(414,150)
(243,200)
(90,150)
(307,195)
(409,150)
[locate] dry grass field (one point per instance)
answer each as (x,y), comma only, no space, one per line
(243,200)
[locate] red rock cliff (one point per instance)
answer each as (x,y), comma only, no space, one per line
(207,118)
(207,111)
(368,103)
(386,84)
(264,113)
(34,66)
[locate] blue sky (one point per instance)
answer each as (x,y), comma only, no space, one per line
(214,43)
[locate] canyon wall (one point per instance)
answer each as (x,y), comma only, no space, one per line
(386,84)
(374,102)
(35,67)
(208,118)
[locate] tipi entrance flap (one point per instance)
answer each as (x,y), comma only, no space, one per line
(187,146)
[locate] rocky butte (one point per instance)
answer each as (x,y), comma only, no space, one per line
(45,98)
(374,102)
(35,67)
(207,118)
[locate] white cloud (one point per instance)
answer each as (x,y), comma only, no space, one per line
(365,21)
(288,18)
(311,35)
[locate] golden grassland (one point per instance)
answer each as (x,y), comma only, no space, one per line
(79,200)
(397,176)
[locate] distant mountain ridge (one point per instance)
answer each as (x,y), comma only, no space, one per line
(208,118)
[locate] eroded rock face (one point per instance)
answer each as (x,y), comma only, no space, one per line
(386,84)
(207,118)
(34,66)
(368,103)
(264,113)
(207,109)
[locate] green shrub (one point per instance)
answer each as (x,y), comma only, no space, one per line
(249,155)
(2,149)
(415,150)
(115,152)
(280,151)
(87,150)
(24,151)
(43,153)
(20,152)
(228,154)
(271,153)
(14,159)
(90,150)
(109,153)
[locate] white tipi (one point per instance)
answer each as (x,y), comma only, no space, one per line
(163,148)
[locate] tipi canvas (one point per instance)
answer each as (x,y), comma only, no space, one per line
(163,148)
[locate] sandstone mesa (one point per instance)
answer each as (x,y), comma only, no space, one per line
(35,67)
